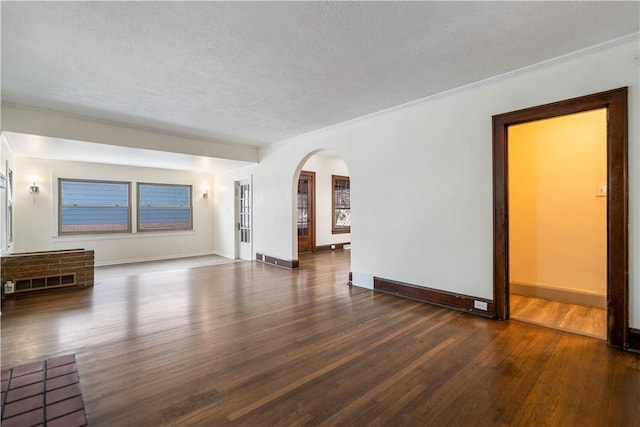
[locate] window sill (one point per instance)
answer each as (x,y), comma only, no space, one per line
(121,236)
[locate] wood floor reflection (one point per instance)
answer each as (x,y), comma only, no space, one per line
(250,344)
(578,319)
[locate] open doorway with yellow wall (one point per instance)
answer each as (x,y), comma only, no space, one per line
(558,222)
(615,103)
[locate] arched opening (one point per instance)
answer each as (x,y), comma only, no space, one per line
(321,204)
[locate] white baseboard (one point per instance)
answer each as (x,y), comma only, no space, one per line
(159,258)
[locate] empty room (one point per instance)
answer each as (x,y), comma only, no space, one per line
(320,213)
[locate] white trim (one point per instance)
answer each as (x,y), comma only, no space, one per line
(159,258)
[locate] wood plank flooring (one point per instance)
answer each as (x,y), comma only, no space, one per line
(250,344)
(574,318)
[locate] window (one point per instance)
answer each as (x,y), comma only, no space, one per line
(341,204)
(87,207)
(164,207)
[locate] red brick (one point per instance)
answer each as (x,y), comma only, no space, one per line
(28,419)
(21,406)
(63,393)
(27,379)
(61,360)
(75,419)
(24,392)
(62,381)
(27,369)
(61,370)
(64,407)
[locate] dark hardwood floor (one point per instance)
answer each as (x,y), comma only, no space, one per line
(250,344)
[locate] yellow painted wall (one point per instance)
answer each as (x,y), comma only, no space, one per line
(557,225)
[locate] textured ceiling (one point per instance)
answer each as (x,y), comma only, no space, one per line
(260,72)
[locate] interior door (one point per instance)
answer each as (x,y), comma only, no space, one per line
(306,212)
(243,219)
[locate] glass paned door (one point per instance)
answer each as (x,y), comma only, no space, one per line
(245,213)
(305,212)
(243,219)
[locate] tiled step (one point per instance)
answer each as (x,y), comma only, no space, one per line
(43,393)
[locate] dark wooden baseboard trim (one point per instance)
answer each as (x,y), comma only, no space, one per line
(634,339)
(277,262)
(434,296)
(332,247)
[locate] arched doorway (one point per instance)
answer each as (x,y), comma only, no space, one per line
(322,203)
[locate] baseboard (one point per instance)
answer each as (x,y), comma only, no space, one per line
(278,262)
(434,296)
(157,258)
(634,340)
(563,295)
(331,247)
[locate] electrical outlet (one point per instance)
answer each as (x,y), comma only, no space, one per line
(480,305)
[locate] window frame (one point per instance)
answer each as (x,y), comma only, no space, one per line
(140,207)
(335,229)
(99,181)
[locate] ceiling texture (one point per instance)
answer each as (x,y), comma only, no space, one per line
(261,72)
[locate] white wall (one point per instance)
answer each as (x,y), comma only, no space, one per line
(325,166)
(421,175)
(36,223)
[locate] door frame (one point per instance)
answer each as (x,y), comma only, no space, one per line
(615,101)
(312,210)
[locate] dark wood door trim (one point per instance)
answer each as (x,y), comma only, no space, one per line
(615,101)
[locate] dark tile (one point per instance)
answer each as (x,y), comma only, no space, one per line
(24,405)
(75,419)
(61,360)
(63,393)
(64,407)
(62,381)
(28,419)
(61,370)
(26,380)
(27,369)
(24,392)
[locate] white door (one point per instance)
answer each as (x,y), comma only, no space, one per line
(243,219)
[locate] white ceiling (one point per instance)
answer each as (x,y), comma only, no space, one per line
(260,72)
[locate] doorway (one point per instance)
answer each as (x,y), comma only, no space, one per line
(306,212)
(243,219)
(557,222)
(615,104)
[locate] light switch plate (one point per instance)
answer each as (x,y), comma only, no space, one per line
(601,190)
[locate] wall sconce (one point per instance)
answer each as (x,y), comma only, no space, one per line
(34,190)
(205,193)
